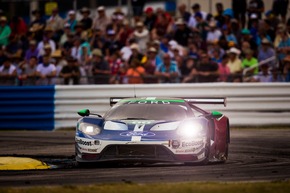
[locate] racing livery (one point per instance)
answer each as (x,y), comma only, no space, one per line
(154,130)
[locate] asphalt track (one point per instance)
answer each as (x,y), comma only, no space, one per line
(255,155)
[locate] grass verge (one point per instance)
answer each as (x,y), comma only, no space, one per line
(194,187)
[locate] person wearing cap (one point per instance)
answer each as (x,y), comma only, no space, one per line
(71,72)
(168,71)
(141,35)
(153,62)
(230,37)
(86,20)
(214,33)
(37,24)
(136,54)
(182,33)
(71,20)
(5,31)
(101,21)
(32,50)
(101,69)
(234,63)
(150,18)
(55,21)
(246,36)
(196,9)
(266,51)
(112,44)
(201,27)
(8,72)
(46,71)
(250,62)
(46,41)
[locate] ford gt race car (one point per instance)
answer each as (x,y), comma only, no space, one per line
(152,129)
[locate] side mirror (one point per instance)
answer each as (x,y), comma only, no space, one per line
(216,114)
(84,112)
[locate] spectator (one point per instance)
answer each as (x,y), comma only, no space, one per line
(72,20)
(37,25)
(240,8)
(86,21)
(219,18)
(229,36)
(224,70)
(168,71)
(135,53)
(76,49)
(46,41)
(68,44)
(135,72)
(182,33)
(250,62)
(153,62)
(266,51)
(214,34)
(18,27)
(185,15)
(117,69)
(264,75)
(246,36)
(196,9)
(32,51)
(286,68)
(141,35)
(55,22)
(28,71)
(5,31)
(255,7)
(101,69)
(46,71)
(137,6)
(284,46)
(8,72)
(70,73)
(112,44)
(102,20)
(14,47)
(207,71)
(125,32)
(234,63)
(150,18)
(277,76)
(280,7)
(201,27)
(64,36)
(188,70)
(161,26)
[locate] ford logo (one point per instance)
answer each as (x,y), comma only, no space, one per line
(137,133)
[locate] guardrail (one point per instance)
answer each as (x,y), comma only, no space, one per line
(248,104)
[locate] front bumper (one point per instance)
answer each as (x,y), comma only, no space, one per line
(91,150)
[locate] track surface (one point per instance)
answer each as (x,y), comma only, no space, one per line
(255,155)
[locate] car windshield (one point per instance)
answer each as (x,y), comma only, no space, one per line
(168,112)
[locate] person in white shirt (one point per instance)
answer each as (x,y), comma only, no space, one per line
(8,72)
(46,72)
(213,34)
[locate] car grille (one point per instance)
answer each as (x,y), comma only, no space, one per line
(154,152)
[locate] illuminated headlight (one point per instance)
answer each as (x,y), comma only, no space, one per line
(190,129)
(89,129)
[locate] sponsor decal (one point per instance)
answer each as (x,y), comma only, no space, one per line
(175,144)
(137,133)
(88,150)
(83,142)
(192,143)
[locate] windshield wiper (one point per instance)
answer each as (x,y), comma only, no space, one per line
(133,118)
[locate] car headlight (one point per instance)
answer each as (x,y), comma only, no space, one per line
(190,129)
(89,129)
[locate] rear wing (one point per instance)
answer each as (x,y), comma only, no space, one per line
(192,100)
(207,100)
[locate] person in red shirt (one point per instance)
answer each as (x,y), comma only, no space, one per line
(224,70)
(18,27)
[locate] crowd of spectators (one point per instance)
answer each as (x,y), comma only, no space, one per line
(151,47)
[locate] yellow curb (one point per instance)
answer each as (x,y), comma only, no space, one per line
(21,163)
